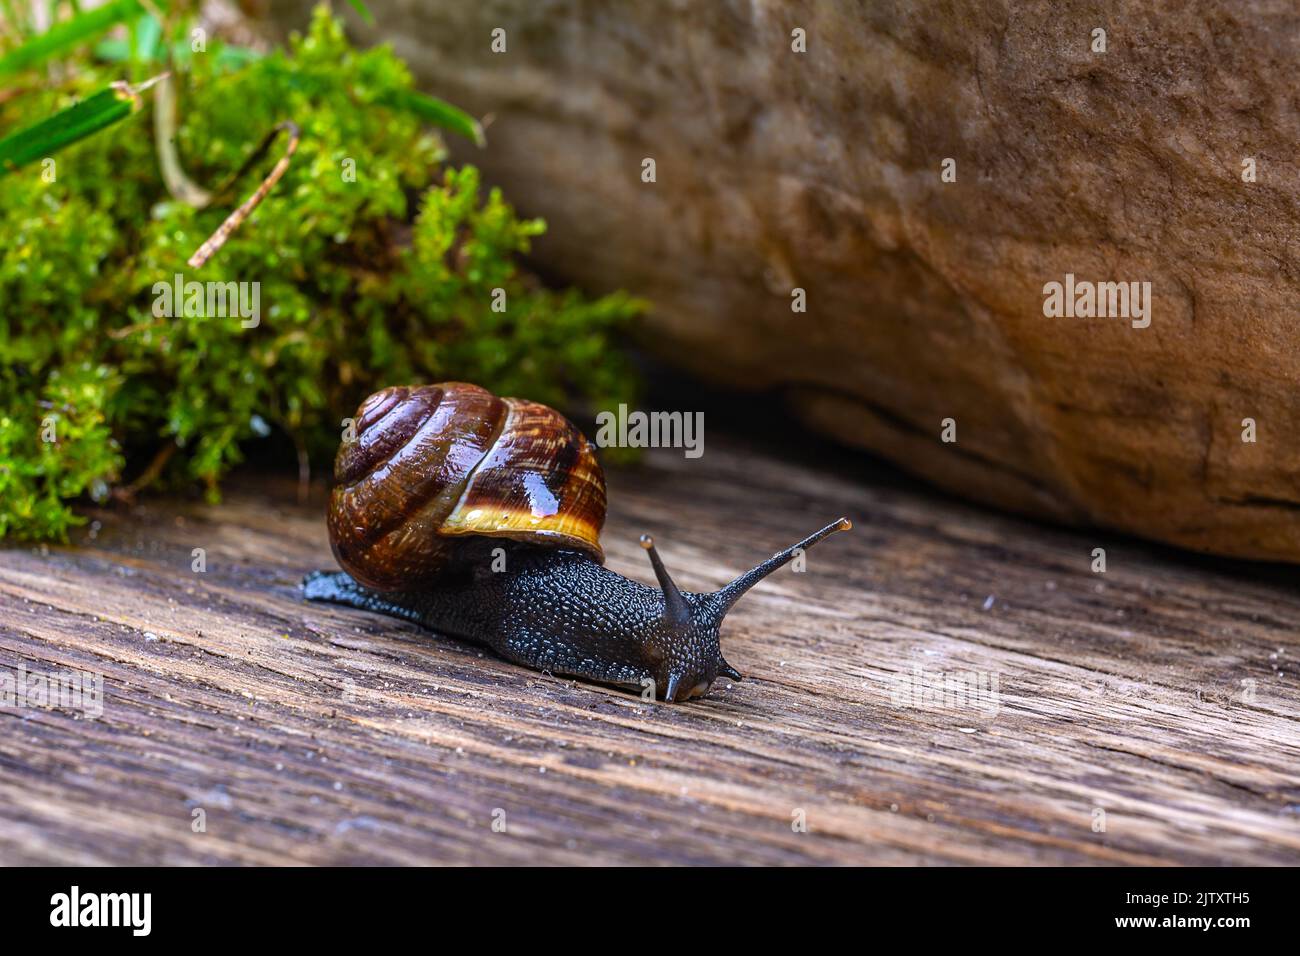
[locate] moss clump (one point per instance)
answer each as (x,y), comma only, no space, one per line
(384,276)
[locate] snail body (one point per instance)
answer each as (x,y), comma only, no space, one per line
(479,517)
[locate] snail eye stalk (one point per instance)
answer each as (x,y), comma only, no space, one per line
(724,598)
(676,611)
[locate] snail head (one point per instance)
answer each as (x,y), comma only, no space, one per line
(689,627)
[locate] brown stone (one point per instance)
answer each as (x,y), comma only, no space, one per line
(821,170)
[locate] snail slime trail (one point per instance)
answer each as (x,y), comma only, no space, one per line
(443,480)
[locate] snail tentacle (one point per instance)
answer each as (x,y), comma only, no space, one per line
(676,610)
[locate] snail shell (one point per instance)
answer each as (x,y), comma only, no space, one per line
(434,468)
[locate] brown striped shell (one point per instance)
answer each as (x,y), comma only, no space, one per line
(433,464)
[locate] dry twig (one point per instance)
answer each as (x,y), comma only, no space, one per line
(233,221)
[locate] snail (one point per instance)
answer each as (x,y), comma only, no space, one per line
(479,517)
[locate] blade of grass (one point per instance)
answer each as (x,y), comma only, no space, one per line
(67,34)
(68,126)
(438,112)
(118,51)
(363,11)
(146,36)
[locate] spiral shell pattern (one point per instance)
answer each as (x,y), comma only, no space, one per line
(432,465)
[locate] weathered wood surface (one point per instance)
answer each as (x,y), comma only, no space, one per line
(316,734)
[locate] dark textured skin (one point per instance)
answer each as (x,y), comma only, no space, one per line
(559,611)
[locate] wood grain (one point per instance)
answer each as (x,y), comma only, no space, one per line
(1162,692)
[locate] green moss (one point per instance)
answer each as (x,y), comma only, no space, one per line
(388,278)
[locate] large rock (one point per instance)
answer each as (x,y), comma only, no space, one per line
(925,299)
